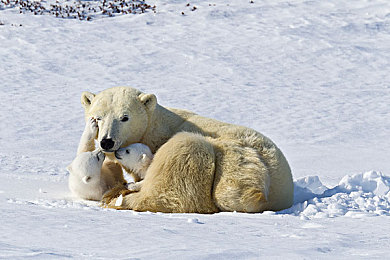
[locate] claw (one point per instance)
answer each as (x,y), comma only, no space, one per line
(99,154)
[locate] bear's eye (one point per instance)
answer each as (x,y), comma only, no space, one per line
(127,151)
(125,118)
(98,118)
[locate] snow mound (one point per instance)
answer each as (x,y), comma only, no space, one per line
(360,194)
(369,182)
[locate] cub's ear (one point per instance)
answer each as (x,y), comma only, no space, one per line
(69,168)
(149,101)
(86,179)
(143,157)
(86,99)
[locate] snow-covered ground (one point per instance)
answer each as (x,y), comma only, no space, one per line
(314,76)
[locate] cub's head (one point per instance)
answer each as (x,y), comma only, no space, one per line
(87,166)
(122,114)
(136,157)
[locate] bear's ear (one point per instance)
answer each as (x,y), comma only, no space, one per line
(86,99)
(69,168)
(149,101)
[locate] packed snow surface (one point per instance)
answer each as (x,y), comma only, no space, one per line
(311,75)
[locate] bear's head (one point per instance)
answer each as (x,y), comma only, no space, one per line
(87,166)
(122,113)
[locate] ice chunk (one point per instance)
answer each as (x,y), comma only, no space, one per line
(307,188)
(372,181)
(382,188)
(193,220)
(311,183)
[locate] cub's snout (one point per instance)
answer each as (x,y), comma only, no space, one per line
(118,155)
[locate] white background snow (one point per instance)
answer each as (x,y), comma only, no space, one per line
(314,76)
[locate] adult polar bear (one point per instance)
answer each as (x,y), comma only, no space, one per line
(200,164)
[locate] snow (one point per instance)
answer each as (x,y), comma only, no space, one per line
(311,75)
(356,195)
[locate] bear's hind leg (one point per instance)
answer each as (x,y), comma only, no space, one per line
(180,178)
(241,180)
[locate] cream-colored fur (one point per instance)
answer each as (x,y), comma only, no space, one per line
(85,180)
(200,164)
(90,174)
(135,159)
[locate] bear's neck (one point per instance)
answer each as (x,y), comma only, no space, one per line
(163,124)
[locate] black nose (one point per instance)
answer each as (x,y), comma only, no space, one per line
(107,144)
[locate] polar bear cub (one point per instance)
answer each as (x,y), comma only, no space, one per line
(136,159)
(85,175)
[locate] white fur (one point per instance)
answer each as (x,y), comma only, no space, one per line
(119,201)
(85,180)
(87,140)
(85,170)
(137,158)
(201,164)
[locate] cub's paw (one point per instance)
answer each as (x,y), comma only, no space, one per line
(133,186)
(92,128)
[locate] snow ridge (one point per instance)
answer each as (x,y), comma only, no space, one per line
(355,195)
